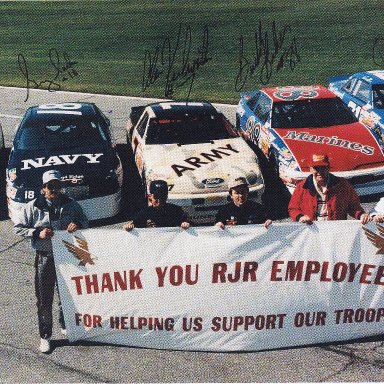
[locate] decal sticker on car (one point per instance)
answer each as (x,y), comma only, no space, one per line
(296,93)
(334,141)
(40,162)
(252,129)
(205,158)
(213,182)
(64,108)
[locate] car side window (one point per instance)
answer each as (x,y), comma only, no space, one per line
(252,102)
(142,125)
(263,108)
(362,91)
(348,86)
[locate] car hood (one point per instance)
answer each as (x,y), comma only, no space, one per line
(202,168)
(27,166)
(349,147)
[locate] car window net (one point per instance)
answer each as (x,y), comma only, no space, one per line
(55,132)
(378,96)
(186,130)
(309,113)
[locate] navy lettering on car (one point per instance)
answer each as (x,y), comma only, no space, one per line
(40,162)
(196,162)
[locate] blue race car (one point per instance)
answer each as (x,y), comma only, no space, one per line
(289,124)
(75,139)
(363,93)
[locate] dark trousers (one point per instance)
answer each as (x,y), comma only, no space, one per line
(45,282)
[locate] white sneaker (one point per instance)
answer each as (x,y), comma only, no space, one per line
(63,331)
(45,345)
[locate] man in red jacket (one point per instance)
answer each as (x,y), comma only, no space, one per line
(323,196)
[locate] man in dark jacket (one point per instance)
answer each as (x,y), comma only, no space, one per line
(159,213)
(241,210)
(323,196)
(38,220)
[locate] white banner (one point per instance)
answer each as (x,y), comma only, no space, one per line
(244,288)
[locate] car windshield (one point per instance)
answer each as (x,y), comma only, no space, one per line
(55,131)
(187,129)
(378,96)
(311,113)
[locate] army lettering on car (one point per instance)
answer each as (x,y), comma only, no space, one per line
(195,149)
(197,162)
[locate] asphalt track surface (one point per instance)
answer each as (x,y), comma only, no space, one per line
(20,361)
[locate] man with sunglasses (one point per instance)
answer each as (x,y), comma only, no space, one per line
(323,196)
(38,220)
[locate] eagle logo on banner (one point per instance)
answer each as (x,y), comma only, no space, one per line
(80,250)
(376,239)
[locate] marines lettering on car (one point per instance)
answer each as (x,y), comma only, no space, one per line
(195,149)
(75,139)
(299,121)
(334,140)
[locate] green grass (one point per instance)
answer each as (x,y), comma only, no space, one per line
(108,39)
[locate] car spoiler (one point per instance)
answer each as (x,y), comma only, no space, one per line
(136,113)
(247,95)
(334,79)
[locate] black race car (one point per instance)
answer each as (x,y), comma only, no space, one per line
(75,139)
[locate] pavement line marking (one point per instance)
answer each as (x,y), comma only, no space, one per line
(103,95)
(11,116)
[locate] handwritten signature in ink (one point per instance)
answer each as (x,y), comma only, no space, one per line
(175,63)
(269,54)
(63,71)
(378,51)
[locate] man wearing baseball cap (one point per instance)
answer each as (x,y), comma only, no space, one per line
(38,220)
(159,213)
(323,196)
(241,210)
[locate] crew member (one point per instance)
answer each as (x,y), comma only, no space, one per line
(38,221)
(241,210)
(323,196)
(159,213)
(378,212)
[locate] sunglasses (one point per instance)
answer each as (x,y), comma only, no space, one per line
(53,186)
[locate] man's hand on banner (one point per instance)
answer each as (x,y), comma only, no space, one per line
(80,251)
(375,239)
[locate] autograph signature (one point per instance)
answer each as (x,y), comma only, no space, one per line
(267,56)
(174,63)
(378,51)
(64,70)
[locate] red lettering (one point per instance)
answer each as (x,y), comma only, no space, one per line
(134,279)
(365,273)
(161,275)
(275,270)
(218,271)
(324,270)
(294,270)
(312,267)
(379,275)
(77,280)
